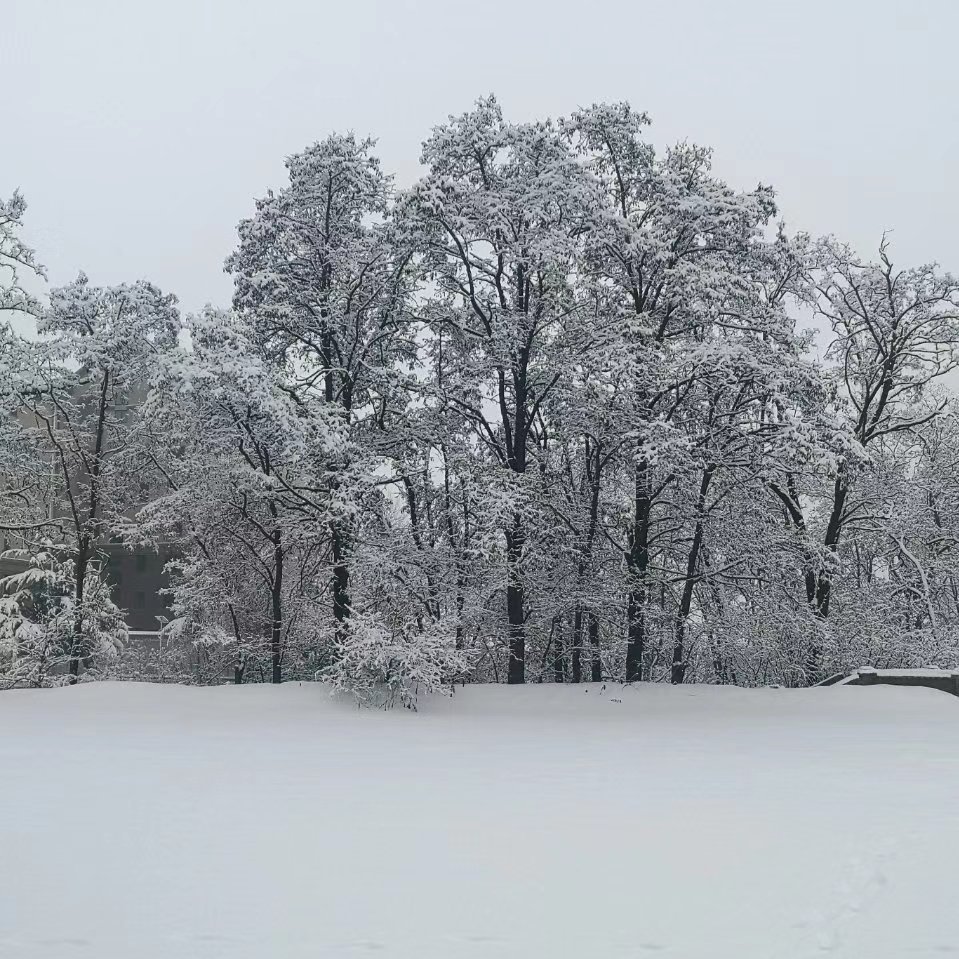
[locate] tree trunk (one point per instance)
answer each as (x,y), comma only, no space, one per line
(239,665)
(341,582)
(577,652)
(80,566)
(823,593)
(460,603)
(559,658)
(678,670)
(85,541)
(833,532)
(276,629)
(516,602)
(597,664)
(593,466)
(637,564)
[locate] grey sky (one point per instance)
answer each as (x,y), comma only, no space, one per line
(141,132)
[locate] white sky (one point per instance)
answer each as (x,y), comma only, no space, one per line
(141,132)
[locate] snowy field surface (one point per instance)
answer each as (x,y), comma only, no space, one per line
(139,822)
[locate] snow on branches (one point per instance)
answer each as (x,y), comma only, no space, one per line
(546,414)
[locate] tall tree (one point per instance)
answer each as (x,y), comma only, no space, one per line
(497,219)
(244,462)
(77,393)
(894,332)
(325,292)
(671,245)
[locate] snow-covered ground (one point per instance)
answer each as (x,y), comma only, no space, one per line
(139,822)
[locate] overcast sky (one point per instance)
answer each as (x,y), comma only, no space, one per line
(141,132)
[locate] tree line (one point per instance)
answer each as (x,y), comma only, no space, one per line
(550,414)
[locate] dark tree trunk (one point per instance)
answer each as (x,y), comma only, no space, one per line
(577,650)
(276,603)
(458,549)
(823,579)
(833,532)
(593,467)
(596,674)
(460,603)
(516,602)
(559,658)
(86,540)
(80,565)
(791,500)
(239,665)
(341,582)
(678,669)
(637,564)
(340,579)
(636,633)
(516,430)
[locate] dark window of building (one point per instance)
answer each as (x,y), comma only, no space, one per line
(140,600)
(141,563)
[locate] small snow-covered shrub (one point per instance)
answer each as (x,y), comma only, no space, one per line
(39,617)
(382,665)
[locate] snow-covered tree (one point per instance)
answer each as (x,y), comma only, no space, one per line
(325,291)
(246,461)
(39,612)
(76,394)
(894,333)
(16,259)
(497,220)
(382,662)
(546,415)
(19,474)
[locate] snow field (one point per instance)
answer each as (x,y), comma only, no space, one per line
(683,823)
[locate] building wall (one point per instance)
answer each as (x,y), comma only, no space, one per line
(136,580)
